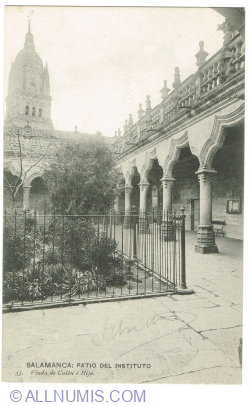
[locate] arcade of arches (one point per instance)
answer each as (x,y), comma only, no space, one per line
(32,195)
(209,192)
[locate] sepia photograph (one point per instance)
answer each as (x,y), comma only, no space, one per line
(123,201)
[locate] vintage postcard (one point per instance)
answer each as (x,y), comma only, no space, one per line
(123,197)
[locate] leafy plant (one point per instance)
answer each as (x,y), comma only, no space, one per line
(65,256)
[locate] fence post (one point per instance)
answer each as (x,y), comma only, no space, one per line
(183,248)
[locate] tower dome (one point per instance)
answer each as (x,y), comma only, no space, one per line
(29,88)
(28,54)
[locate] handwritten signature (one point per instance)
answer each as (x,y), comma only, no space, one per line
(113,330)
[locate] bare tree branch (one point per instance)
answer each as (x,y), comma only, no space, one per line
(14,188)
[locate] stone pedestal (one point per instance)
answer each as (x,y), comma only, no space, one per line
(205,235)
(206,240)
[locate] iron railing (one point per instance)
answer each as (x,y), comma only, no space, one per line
(50,259)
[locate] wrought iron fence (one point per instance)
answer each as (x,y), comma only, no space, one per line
(51,259)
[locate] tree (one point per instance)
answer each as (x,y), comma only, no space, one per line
(82,178)
(25,149)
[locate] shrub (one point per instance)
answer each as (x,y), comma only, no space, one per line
(65,256)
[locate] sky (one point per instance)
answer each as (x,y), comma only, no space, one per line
(103,61)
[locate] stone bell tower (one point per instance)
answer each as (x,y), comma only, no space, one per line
(29,89)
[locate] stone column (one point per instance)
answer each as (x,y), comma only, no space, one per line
(155,198)
(117,209)
(205,234)
(128,191)
(143,197)
(167,222)
(26,197)
(155,203)
(167,184)
(143,224)
(117,204)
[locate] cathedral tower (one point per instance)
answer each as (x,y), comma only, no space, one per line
(29,89)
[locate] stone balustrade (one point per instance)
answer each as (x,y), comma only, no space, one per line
(210,74)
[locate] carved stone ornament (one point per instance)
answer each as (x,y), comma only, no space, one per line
(201,55)
(228,30)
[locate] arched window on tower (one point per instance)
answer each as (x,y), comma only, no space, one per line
(40,113)
(33,111)
(27,110)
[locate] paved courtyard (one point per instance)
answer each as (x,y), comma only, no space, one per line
(168,339)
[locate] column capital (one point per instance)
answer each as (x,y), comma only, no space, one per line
(24,186)
(144,185)
(205,174)
(128,189)
(204,170)
(167,180)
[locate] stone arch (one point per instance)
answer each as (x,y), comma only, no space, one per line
(36,172)
(174,153)
(217,137)
(130,172)
(147,165)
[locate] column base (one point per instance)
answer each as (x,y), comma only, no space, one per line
(206,240)
(206,249)
(184,291)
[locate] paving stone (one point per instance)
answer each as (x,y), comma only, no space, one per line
(211,318)
(227,340)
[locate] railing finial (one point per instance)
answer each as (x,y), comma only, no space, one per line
(140,112)
(177,78)
(164,91)
(148,104)
(201,55)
